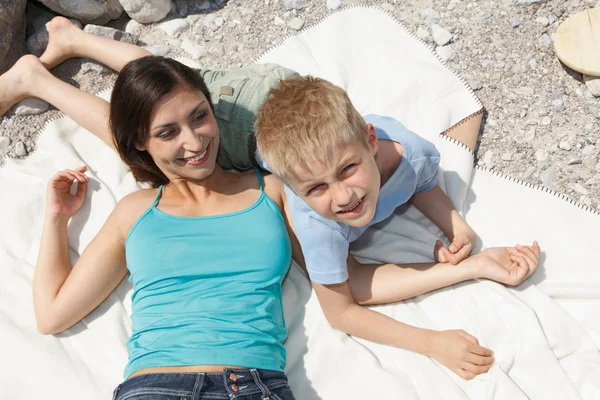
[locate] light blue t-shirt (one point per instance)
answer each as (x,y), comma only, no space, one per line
(325,243)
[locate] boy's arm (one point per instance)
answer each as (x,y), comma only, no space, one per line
(436,206)
(455,349)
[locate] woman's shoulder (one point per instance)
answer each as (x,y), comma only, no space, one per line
(131,207)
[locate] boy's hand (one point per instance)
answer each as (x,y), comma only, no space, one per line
(460,248)
(460,352)
(508,265)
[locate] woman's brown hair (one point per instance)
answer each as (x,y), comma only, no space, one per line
(139,87)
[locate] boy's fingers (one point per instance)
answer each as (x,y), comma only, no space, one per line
(479,360)
(482,351)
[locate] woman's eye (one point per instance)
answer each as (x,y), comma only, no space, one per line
(200,116)
(166,134)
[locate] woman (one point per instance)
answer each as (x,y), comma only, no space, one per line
(207,316)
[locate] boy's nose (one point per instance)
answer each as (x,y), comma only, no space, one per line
(341,194)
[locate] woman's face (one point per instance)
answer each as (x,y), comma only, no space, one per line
(183,137)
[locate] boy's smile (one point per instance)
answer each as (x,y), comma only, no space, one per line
(344,188)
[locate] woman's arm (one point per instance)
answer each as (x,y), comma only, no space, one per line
(63,295)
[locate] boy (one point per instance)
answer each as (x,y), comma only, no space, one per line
(343,174)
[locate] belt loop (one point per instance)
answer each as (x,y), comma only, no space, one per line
(263,388)
(198,386)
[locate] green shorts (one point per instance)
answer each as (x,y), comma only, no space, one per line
(237,95)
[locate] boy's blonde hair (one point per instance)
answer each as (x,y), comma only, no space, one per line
(303,121)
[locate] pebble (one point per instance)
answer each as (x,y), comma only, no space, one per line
(219,21)
(541,155)
(558,105)
(193,49)
(159,49)
(20,149)
(588,150)
(593,84)
(515,22)
(110,33)
(93,66)
(174,26)
(430,16)
(543,21)
(488,158)
(209,22)
(530,2)
(475,85)
(595,111)
(296,23)
(334,4)
(548,177)
(530,135)
(294,4)
(506,157)
(440,35)
(533,63)
(422,32)
(564,145)
(218,50)
(388,7)
(545,41)
(546,121)
(4,142)
(573,160)
(445,52)
(580,189)
(278,21)
(558,12)
(133,27)
(31,106)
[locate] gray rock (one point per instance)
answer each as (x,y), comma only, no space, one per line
(146,11)
(549,177)
(552,19)
(110,33)
(506,157)
(543,21)
(515,22)
(530,2)
(430,16)
(588,150)
(88,11)
(541,155)
(37,43)
(558,12)
(533,63)
(545,41)
(580,189)
(174,26)
(334,4)
(475,85)
(193,49)
(546,121)
(595,111)
(294,4)
(445,52)
(4,142)
(564,145)
(573,160)
(182,7)
(205,5)
(440,35)
(12,32)
(20,149)
(558,104)
(593,84)
(159,49)
(31,106)
(296,23)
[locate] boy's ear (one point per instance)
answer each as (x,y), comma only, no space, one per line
(372,139)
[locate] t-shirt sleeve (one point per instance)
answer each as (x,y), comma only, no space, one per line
(427,159)
(324,243)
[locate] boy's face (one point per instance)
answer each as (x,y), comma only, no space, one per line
(344,188)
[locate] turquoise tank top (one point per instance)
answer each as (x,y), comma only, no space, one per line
(207,290)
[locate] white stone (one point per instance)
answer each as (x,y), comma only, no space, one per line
(174,26)
(219,21)
(541,155)
(588,150)
(488,158)
(445,52)
(296,23)
(159,49)
(4,142)
(133,27)
(506,157)
(545,41)
(278,21)
(580,189)
(422,32)
(564,145)
(440,35)
(593,84)
(20,149)
(146,11)
(546,121)
(294,4)
(515,22)
(93,66)
(193,49)
(430,16)
(548,177)
(530,135)
(31,106)
(572,160)
(543,21)
(388,7)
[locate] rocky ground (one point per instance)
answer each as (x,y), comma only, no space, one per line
(542,123)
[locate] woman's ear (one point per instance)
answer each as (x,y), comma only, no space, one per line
(372,139)
(140,147)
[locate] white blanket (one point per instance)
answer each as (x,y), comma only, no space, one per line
(545,334)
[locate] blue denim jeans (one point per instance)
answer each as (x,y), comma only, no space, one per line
(238,384)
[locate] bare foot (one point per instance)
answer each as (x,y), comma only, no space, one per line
(20,81)
(61,36)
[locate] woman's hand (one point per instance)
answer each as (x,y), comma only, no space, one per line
(460,352)
(508,265)
(59,200)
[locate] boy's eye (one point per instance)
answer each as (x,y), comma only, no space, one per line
(314,189)
(348,168)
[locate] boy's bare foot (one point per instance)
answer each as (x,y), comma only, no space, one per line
(19,82)
(62,34)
